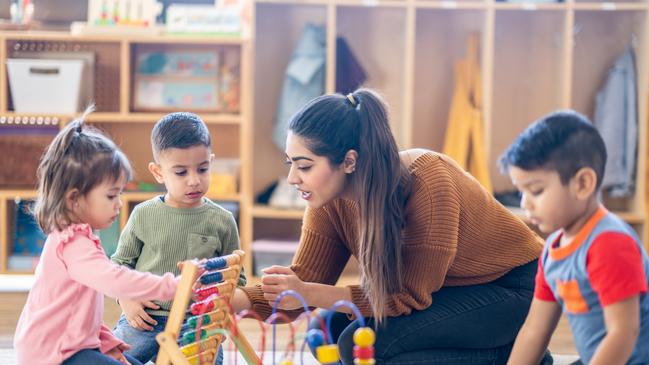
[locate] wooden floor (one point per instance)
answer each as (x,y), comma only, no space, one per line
(11,304)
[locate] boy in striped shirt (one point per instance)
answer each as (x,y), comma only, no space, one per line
(180,225)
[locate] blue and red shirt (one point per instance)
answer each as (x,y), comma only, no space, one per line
(604,264)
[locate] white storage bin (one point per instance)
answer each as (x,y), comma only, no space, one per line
(45,86)
(266,253)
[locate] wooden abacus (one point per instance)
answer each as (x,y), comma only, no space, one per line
(212,314)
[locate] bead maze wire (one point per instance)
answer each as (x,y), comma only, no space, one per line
(210,284)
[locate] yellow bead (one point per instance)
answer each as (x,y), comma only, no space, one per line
(364,337)
(364,361)
(327,354)
(286,362)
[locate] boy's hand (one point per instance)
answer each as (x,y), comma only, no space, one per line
(135,314)
(117,353)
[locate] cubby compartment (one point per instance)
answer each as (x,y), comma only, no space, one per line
(382,54)
(441,40)
(177,76)
(278,31)
(528,77)
(600,39)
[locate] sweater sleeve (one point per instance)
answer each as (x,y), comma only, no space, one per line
(107,341)
(129,246)
(87,264)
(320,258)
(430,246)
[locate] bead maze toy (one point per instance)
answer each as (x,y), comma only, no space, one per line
(364,337)
(321,339)
(211,283)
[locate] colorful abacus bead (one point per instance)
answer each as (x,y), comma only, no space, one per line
(286,362)
(202,307)
(205,292)
(327,354)
(205,319)
(206,357)
(215,263)
(364,338)
(190,337)
(213,277)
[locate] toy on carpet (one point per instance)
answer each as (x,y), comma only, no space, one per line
(210,284)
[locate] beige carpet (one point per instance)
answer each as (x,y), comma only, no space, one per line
(7,357)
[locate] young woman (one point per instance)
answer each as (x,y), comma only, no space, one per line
(447,273)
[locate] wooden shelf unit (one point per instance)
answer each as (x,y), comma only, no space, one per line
(534,57)
(129,128)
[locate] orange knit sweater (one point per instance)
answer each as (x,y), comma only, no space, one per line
(456,234)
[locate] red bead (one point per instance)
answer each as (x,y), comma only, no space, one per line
(202,307)
(363,352)
(205,292)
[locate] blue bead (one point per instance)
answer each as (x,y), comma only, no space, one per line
(213,277)
(315,338)
(215,263)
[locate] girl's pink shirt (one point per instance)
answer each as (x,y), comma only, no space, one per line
(64,309)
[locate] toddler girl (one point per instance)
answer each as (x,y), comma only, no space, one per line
(81,177)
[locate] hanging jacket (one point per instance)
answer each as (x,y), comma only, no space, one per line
(350,74)
(304,79)
(616,118)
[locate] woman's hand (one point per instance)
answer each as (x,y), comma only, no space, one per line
(275,280)
(117,353)
(135,314)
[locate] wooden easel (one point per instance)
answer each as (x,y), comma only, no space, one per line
(204,350)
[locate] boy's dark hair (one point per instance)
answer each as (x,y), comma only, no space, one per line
(563,141)
(179,130)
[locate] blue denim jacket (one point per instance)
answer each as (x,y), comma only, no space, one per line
(304,79)
(616,118)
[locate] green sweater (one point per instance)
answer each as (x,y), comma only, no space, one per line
(158,236)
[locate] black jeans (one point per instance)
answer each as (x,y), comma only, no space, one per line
(467,325)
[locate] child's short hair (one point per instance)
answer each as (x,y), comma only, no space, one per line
(80,157)
(179,130)
(564,141)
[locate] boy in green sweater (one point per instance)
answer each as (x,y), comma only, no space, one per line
(177,226)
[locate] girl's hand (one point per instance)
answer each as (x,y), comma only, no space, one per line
(275,280)
(117,353)
(135,314)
